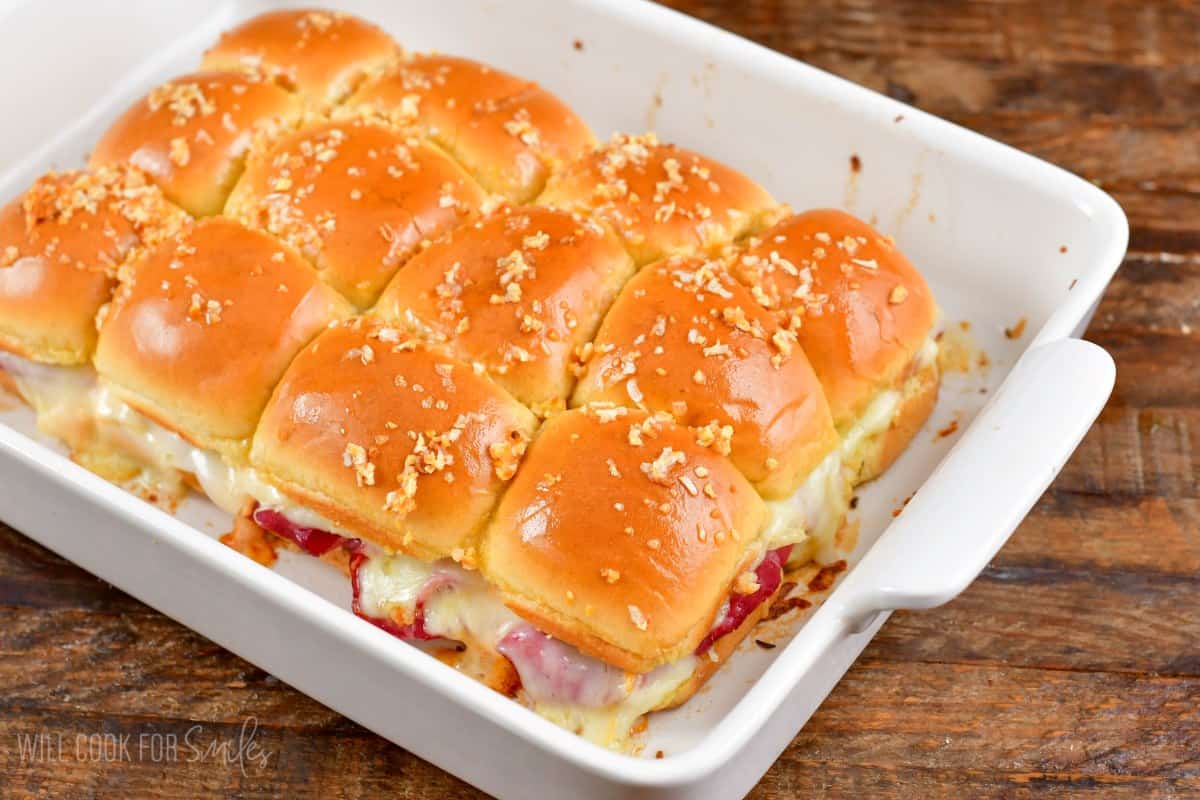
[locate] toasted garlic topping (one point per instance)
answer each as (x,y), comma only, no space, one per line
(638,618)
(746,583)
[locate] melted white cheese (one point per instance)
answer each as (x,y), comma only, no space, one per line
(871,424)
(815,510)
(471,610)
(60,395)
(229,486)
(859,440)
(610,726)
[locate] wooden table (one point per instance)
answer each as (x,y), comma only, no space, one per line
(1070,668)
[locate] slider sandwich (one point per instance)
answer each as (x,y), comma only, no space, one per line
(661,199)
(602,574)
(866,319)
(199,332)
(191,134)
(387,447)
(685,339)
(596,406)
(322,56)
(516,293)
(508,132)
(354,197)
(62,245)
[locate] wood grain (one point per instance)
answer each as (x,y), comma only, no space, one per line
(1070,669)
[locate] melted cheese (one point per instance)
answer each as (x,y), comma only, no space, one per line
(861,441)
(60,396)
(871,424)
(471,610)
(229,486)
(67,399)
(815,510)
(611,726)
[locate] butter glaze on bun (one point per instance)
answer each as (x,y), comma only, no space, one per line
(191,134)
(320,55)
(356,198)
(859,308)
(686,339)
(622,536)
(392,440)
(203,327)
(507,131)
(662,200)
(516,292)
(61,245)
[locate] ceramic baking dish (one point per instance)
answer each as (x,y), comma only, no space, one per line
(1000,236)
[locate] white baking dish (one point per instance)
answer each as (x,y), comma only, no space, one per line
(999,234)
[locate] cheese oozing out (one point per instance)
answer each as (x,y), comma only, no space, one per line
(813,514)
(576,691)
(568,687)
(865,435)
(59,395)
(73,405)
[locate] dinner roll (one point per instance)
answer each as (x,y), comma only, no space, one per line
(204,325)
(320,55)
(516,292)
(622,535)
(662,200)
(392,440)
(685,338)
(61,244)
(508,132)
(356,198)
(191,134)
(862,313)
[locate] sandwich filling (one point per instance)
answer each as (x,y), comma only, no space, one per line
(442,602)
(862,440)
(59,395)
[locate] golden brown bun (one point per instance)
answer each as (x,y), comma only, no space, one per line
(662,200)
(920,393)
(508,132)
(61,245)
(203,327)
(355,198)
(622,536)
(321,55)
(687,339)
(392,440)
(564,273)
(860,310)
(191,134)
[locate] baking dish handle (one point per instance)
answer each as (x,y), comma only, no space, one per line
(985,485)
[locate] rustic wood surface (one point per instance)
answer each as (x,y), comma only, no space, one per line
(1070,668)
